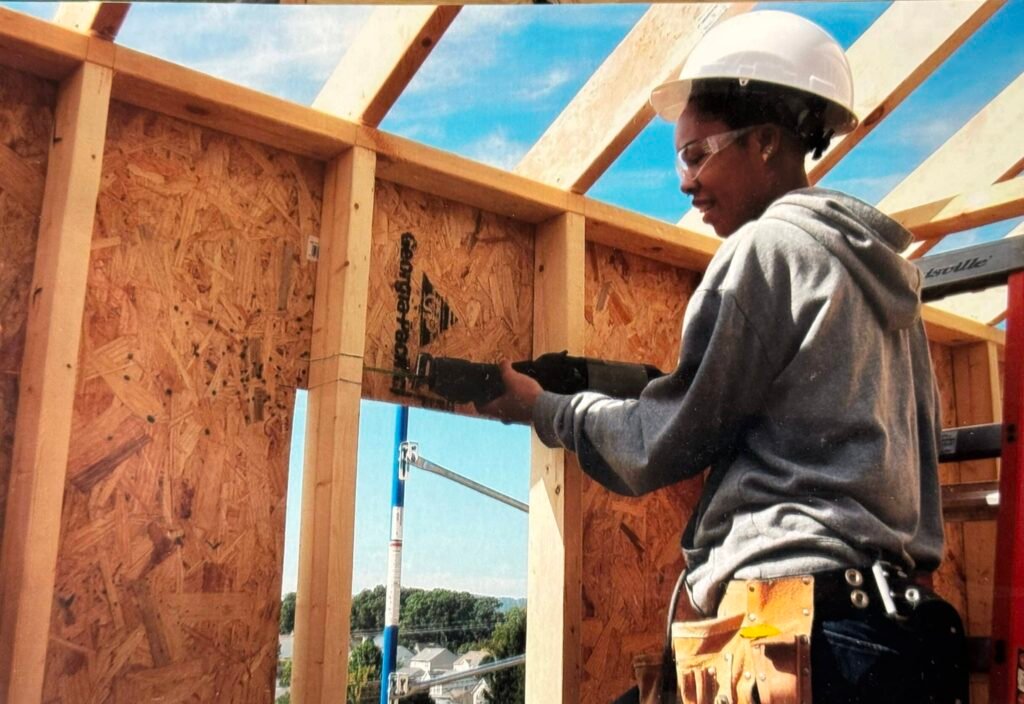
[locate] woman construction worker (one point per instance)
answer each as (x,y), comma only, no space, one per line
(805,385)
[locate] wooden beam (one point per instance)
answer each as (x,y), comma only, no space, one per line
(978,400)
(174,90)
(49,371)
(984,151)
(976,208)
(893,57)
(39,47)
(649,237)
(554,590)
(324,594)
(47,50)
(952,329)
(382,60)
(441,173)
(613,107)
(100,19)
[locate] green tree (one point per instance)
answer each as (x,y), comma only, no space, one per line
(284,672)
(285,698)
(288,613)
(451,619)
(368,608)
(508,686)
(364,665)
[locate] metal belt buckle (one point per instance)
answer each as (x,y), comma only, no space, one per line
(880,571)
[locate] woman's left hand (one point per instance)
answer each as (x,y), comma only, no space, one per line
(516,404)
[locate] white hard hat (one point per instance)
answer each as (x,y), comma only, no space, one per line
(771,47)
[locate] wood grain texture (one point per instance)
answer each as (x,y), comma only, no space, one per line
(949,580)
(332,430)
(631,556)
(26,124)
(196,333)
(555,526)
(50,368)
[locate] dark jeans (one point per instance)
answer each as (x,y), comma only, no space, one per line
(864,657)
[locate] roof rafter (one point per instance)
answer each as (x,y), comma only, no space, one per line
(386,54)
(102,19)
(887,71)
(988,149)
(892,58)
(612,107)
(984,206)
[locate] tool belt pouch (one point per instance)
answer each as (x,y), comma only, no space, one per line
(650,672)
(760,638)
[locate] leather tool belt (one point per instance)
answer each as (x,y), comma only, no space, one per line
(760,638)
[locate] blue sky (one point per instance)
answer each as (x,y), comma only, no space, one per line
(498,78)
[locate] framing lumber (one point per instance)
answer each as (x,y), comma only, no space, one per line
(986,150)
(893,57)
(49,371)
(100,19)
(613,107)
(441,173)
(328,496)
(39,47)
(954,330)
(983,206)
(382,60)
(655,239)
(44,49)
(174,90)
(978,400)
(555,534)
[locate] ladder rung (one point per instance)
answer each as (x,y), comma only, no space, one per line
(971,442)
(970,269)
(970,501)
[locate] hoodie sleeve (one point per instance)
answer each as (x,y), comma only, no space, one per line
(682,421)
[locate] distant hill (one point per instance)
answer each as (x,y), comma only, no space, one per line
(508,602)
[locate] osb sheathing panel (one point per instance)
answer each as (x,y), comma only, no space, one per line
(196,332)
(26,124)
(447,280)
(631,557)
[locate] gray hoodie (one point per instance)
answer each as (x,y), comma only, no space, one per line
(805,383)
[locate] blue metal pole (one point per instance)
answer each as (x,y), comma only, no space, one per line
(393,590)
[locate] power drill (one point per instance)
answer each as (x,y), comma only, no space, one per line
(462,381)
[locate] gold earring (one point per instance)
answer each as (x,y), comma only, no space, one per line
(767,153)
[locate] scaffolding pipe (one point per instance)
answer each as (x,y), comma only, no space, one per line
(416,461)
(393,591)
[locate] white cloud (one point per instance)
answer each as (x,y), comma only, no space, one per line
(543,85)
(933,131)
(269,48)
(868,188)
(470,46)
(497,149)
(652,178)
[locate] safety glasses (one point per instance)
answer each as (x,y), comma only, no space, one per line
(695,155)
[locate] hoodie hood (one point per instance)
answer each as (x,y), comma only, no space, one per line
(866,242)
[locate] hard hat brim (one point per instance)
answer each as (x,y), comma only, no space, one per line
(670,98)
